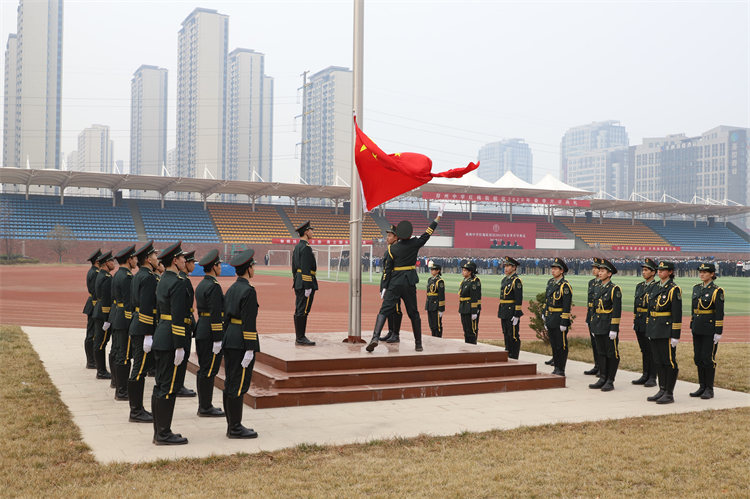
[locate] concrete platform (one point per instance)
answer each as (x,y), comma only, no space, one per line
(105,428)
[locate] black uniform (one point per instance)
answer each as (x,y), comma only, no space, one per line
(559,297)
(394,320)
(470,303)
(210,301)
(241,335)
(435,304)
(663,324)
(171,334)
(120,317)
(511,305)
(143,300)
(593,284)
(304,268)
(190,319)
(102,309)
(606,319)
(88,309)
(640,316)
(707,321)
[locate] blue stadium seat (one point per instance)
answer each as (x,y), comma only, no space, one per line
(701,238)
(178,220)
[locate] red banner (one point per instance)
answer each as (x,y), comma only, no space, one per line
(646,248)
(334,242)
(447,196)
(494,235)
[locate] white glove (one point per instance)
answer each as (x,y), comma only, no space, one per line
(440,211)
(612,335)
(148,341)
(633,327)
(308,292)
(382,293)
(563,328)
(544,319)
(440,314)
(217,347)
(514,321)
(473,317)
(106,326)
(674,342)
(717,337)
(179,356)
(247,358)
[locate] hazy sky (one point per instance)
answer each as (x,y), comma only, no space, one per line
(441,78)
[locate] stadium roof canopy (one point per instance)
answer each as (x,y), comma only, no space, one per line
(508,185)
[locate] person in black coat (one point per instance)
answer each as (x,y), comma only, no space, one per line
(88,308)
(305,282)
(707,325)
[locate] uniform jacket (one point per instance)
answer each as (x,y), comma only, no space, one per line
(470,295)
(174,309)
(403,255)
(241,303)
(435,294)
(387,269)
(640,307)
(190,321)
(209,298)
(103,296)
(511,297)
(143,299)
(558,303)
(88,309)
(593,284)
(122,308)
(304,267)
(607,309)
(708,310)
(665,311)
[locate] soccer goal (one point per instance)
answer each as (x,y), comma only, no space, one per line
(279,258)
(334,262)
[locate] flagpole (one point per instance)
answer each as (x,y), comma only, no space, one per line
(355,199)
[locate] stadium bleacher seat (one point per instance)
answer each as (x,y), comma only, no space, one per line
(701,238)
(614,232)
(178,220)
(237,223)
(329,225)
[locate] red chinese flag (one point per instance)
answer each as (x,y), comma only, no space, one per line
(385,176)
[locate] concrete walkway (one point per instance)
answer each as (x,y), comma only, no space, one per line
(105,428)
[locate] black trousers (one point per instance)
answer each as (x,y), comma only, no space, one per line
(237,379)
(303,303)
(558,340)
(704,350)
(169,377)
(644,344)
(609,354)
(121,346)
(512,337)
(665,355)
(594,346)
(101,337)
(142,362)
(394,320)
(90,327)
(436,323)
(471,328)
(404,292)
(208,362)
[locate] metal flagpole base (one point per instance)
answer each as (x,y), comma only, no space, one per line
(354,339)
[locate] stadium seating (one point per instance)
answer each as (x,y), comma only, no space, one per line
(178,220)
(418,219)
(89,218)
(614,232)
(237,223)
(328,225)
(701,238)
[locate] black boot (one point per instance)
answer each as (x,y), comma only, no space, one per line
(391,327)
(642,380)
(416,325)
(395,337)
(555,371)
(668,396)
(652,370)
(300,326)
(651,381)
(164,409)
(599,383)
(701,381)
(662,372)
(154,415)
(88,347)
(101,366)
(121,378)
(379,323)
(609,385)
(234,419)
(593,371)
(561,362)
(550,362)
(205,396)
(112,370)
(710,375)
(185,392)
(138,413)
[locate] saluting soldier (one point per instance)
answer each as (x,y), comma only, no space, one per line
(101,314)
(605,324)
(435,299)
(305,283)
(122,314)
(143,300)
(663,328)
(240,343)
(556,316)
(707,325)
(394,320)
(209,333)
(510,309)
(88,309)
(403,279)
(170,343)
(640,316)
(593,284)
(470,302)
(184,391)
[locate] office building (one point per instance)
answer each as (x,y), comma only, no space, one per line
(95,150)
(9,103)
(148,121)
(512,155)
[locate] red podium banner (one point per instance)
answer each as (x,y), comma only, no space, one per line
(447,196)
(663,249)
(494,235)
(333,242)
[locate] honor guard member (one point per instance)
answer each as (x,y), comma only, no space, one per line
(190,321)
(556,314)
(593,284)
(707,325)
(403,279)
(435,300)
(305,283)
(605,324)
(510,309)
(394,320)
(470,302)
(209,333)
(170,343)
(102,309)
(663,328)
(122,314)
(240,343)
(640,315)
(143,300)
(88,309)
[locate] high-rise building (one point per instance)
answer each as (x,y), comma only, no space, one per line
(95,150)
(249,117)
(594,157)
(9,103)
(512,155)
(171,163)
(148,120)
(327,131)
(72,163)
(201,94)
